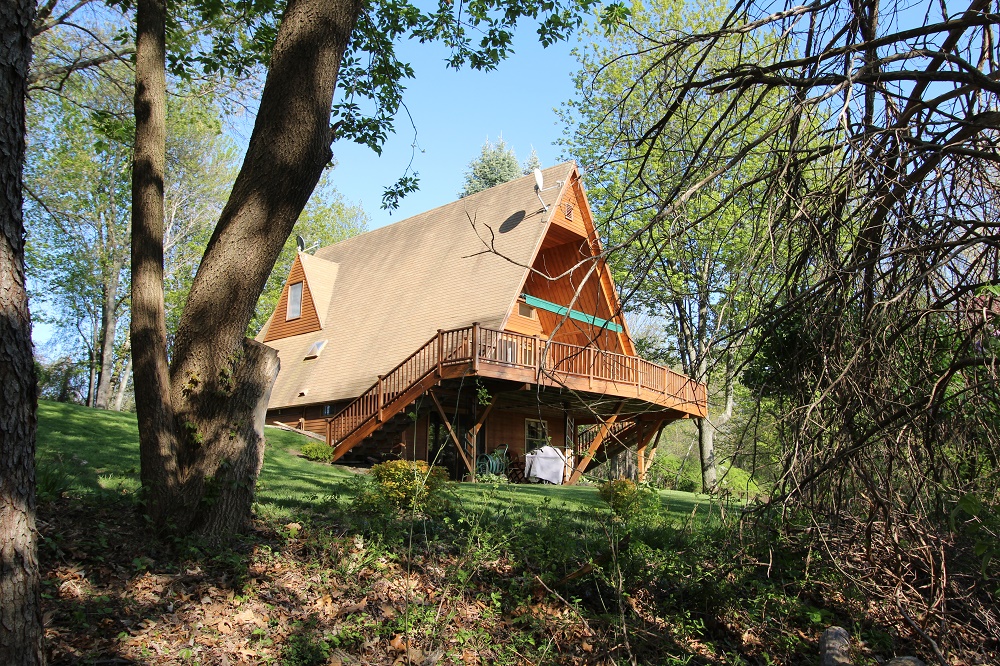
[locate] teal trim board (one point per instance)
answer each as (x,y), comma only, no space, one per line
(549,306)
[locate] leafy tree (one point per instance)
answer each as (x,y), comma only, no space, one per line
(21,636)
(685,269)
(496,164)
(200,414)
(865,148)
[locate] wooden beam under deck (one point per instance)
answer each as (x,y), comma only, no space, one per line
(581,465)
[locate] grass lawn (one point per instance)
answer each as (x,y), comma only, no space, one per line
(87,451)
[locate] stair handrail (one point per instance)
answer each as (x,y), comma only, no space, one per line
(381,403)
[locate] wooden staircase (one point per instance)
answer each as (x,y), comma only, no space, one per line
(447,354)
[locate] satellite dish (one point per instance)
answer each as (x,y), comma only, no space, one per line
(300,242)
(538,188)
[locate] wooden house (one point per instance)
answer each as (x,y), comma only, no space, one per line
(491,322)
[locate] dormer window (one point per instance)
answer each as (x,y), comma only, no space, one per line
(294,310)
(315,350)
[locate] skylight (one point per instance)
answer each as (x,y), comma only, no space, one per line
(315,350)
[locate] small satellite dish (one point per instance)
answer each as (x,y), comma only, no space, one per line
(538,188)
(300,242)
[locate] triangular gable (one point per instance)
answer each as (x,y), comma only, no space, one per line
(559,268)
(309,319)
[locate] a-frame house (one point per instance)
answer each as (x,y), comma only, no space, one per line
(489,322)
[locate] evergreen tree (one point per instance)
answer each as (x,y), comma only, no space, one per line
(531,163)
(496,164)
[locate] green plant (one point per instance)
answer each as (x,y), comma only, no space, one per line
(317,451)
(52,479)
(404,485)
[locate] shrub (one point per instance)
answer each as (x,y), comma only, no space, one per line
(404,485)
(622,495)
(317,451)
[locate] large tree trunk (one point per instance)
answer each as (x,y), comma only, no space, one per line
(20,610)
(205,420)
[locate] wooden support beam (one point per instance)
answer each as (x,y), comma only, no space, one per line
(581,466)
(454,437)
(470,436)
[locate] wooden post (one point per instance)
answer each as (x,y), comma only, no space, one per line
(475,348)
(581,466)
(454,438)
(590,367)
(378,414)
(538,356)
(440,352)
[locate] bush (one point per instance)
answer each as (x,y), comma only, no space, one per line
(404,485)
(627,499)
(317,451)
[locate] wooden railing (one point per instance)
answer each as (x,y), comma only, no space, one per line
(455,347)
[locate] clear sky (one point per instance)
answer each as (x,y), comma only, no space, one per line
(453,113)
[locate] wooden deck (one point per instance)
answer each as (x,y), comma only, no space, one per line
(476,350)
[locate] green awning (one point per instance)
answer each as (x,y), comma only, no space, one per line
(549,306)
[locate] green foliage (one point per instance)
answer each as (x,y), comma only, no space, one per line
(305,647)
(629,501)
(404,485)
(495,165)
(317,451)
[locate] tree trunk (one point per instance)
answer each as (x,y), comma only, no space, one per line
(109,326)
(201,426)
(20,610)
(123,382)
(706,446)
(157,443)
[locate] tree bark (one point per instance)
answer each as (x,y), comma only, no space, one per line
(157,442)
(20,610)
(201,426)
(123,381)
(109,326)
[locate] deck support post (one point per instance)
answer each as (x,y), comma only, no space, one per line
(537,349)
(471,436)
(640,452)
(378,415)
(581,466)
(644,439)
(454,438)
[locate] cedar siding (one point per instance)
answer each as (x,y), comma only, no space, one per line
(307,322)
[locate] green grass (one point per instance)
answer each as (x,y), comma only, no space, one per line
(85,451)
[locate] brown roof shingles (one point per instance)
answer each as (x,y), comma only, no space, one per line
(393,287)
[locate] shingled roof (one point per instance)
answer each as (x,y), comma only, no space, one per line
(386,292)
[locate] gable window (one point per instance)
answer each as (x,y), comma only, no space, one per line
(526,310)
(315,350)
(536,434)
(294,310)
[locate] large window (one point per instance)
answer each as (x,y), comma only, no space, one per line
(536,434)
(294,310)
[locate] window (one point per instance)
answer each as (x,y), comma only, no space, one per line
(526,310)
(294,310)
(536,434)
(327,410)
(315,350)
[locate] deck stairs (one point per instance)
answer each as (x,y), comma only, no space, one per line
(445,355)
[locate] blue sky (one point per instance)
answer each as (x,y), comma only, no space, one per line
(454,112)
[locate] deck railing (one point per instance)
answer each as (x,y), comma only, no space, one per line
(515,350)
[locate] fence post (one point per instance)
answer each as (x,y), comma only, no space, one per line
(440,347)
(475,348)
(590,367)
(378,416)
